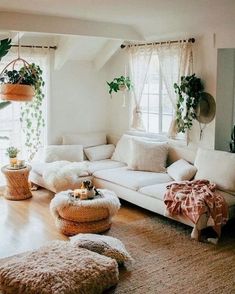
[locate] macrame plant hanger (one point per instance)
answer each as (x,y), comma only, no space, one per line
(124,89)
(17,92)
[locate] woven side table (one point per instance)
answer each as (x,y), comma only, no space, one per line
(17,186)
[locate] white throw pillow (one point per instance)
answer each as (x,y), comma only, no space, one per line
(181,170)
(148,156)
(63,152)
(99,152)
(86,139)
(217,167)
(123,149)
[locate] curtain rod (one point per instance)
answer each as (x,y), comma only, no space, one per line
(192,40)
(35,46)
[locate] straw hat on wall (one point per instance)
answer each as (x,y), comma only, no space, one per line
(206,108)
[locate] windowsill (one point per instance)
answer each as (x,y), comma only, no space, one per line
(181,141)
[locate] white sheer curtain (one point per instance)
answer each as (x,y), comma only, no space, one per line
(176,60)
(139,57)
(10,125)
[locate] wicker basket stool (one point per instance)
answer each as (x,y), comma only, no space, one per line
(74,216)
(17,185)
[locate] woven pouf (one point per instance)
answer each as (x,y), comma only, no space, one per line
(74,216)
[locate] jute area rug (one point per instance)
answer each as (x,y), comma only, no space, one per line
(168,261)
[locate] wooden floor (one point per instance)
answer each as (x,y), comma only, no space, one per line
(28,224)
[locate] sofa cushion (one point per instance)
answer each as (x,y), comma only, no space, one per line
(148,156)
(85,139)
(63,152)
(155,191)
(94,166)
(131,179)
(39,167)
(181,170)
(99,152)
(217,167)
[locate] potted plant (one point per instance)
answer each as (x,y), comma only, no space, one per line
(189,92)
(20,85)
(119,84)
(12,152)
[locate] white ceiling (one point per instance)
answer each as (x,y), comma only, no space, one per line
(153,19)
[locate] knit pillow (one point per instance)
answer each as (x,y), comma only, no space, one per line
(104,245)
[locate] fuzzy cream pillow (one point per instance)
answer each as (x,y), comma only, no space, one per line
(181,170)
(148,156)
(104,245)
(99,152)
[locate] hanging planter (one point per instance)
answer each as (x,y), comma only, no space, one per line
(122,84)
(19,85)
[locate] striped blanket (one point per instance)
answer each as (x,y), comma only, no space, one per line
(194,198)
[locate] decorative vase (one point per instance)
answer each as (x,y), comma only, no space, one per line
(17,92)
(13,161)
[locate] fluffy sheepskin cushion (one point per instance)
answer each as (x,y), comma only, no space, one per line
(59,267)
(217,167)
(86,139)
(63,152)
(62,175)
(148,156)
(105,245)
(181,170)
(99,152)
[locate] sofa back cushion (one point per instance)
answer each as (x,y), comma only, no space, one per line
(99,152)
(148,156)
(217,167)
(63,152)
(180,152)
(85,139)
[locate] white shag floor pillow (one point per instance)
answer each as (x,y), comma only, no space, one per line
(57,268)
(105,245)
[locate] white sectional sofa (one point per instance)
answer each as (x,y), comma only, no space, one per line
(143,188)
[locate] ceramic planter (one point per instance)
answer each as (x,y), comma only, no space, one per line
(17,92)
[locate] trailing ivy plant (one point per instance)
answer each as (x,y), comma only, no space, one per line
(31,112)
(119,84)
(189,92)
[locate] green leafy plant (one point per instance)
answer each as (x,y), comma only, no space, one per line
(232,142)
(189,92)
(5,46)
(119,84)
(12,152)
(31,112)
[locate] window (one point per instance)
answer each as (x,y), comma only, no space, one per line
(11,132)
(156,107)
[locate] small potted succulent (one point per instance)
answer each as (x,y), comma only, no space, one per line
(119,84)
(12,152)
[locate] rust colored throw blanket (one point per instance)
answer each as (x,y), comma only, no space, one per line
(194,198)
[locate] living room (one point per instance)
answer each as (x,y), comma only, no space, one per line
(117,143)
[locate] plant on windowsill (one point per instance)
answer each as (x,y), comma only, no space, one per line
(189,92)
(12,152)
(119,84)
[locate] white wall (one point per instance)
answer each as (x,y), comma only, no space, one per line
(78,100)
(205,66)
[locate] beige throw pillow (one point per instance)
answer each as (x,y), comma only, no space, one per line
(148,156)
(181,170)
(104,245)
(99,152)
(217,167)
(63,152)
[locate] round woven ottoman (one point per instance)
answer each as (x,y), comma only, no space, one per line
(73,216)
